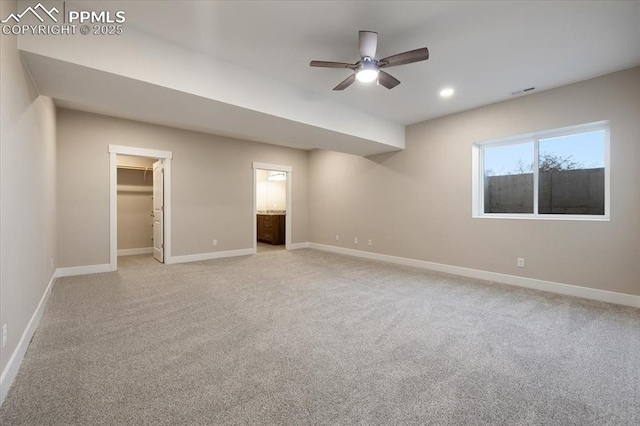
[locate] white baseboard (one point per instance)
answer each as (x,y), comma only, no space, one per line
(553,287)
(296,246)
(11,370)
(83,270)
(135,251)
(209,256)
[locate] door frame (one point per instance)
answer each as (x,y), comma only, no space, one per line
(166,157)
(288,218)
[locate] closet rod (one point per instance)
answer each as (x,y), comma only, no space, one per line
(146,169)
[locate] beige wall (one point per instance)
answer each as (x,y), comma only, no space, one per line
(270,195)
(135,206)
(27,193)
(417,203)
(212,186)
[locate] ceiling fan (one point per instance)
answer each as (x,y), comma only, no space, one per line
(368,69)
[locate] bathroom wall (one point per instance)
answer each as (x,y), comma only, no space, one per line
(270,195)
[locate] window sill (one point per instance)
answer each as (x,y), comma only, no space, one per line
(542,217)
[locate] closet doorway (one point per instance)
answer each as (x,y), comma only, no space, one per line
(136,179)
(140,203)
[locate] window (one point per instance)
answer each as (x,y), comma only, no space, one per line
(554,174)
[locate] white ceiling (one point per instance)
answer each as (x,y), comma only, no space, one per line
(484,49)
(241,68)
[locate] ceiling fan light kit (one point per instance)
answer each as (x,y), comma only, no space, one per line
(368,69)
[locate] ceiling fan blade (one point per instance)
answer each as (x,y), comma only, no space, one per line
(325,64)
(405,58)
(346,82)
(368,43)
(387,80)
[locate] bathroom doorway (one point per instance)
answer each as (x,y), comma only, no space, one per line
(271,207)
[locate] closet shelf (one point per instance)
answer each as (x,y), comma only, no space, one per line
(135,189)
(141,168)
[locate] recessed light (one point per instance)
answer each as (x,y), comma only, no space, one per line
(446,92)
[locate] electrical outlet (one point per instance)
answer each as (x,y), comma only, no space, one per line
(521,262)
(215,242)
(370,242)
(4,335)
(337,237)
(355,240)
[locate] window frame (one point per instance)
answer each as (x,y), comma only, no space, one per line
(478,172)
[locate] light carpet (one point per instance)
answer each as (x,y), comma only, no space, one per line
(307,337)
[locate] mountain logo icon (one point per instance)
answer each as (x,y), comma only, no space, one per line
(34,11)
